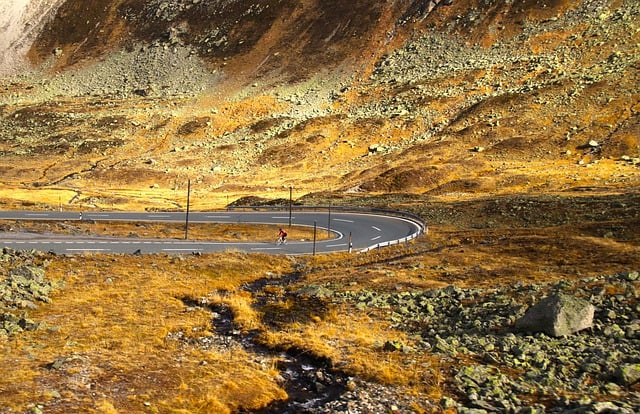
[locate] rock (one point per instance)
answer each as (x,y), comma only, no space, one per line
(557,315)
(627,374)
(447,402)
(392,346)
(27,273)
(315,291)
(632,276)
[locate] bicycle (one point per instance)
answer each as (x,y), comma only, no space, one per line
(281,240)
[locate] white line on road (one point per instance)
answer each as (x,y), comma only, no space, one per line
(376,228)
(218,217)
(181,250)
(37,214)
(376,238)
(343,220)
(336,245)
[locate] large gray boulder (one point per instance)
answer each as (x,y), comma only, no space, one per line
(557,315)
(627,374)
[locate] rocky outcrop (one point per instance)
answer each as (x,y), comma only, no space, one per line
(22,286)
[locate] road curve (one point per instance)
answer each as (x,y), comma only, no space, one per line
(352,231)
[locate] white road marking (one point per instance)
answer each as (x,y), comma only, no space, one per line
(218,217)
(181,250)
(336,245)
(343,220)
(376,228)
(376,238)
(37,214)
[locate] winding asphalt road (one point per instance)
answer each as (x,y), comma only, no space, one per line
(351,231)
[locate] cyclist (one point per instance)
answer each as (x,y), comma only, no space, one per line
(282,236)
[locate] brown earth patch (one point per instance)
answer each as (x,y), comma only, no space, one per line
(192,127)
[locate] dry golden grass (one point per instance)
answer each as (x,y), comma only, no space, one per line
(121,325)
(196,231)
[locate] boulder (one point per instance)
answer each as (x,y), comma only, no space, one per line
(627,374)
(557,315)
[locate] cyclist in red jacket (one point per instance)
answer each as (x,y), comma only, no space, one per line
(282,237)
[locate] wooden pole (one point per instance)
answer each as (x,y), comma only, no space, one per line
(290,203)
(329,222)
(186,223)
(314,238)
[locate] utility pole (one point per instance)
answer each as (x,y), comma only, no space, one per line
(186,223)
(329,222)
(314,238)
(290,203)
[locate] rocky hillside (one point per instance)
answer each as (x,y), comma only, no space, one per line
(127,99)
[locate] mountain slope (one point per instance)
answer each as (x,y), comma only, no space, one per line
(462,97)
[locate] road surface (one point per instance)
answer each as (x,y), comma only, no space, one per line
(351,231)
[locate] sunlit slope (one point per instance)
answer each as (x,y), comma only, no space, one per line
(250,98)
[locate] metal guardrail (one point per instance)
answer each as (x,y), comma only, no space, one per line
(417,220)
